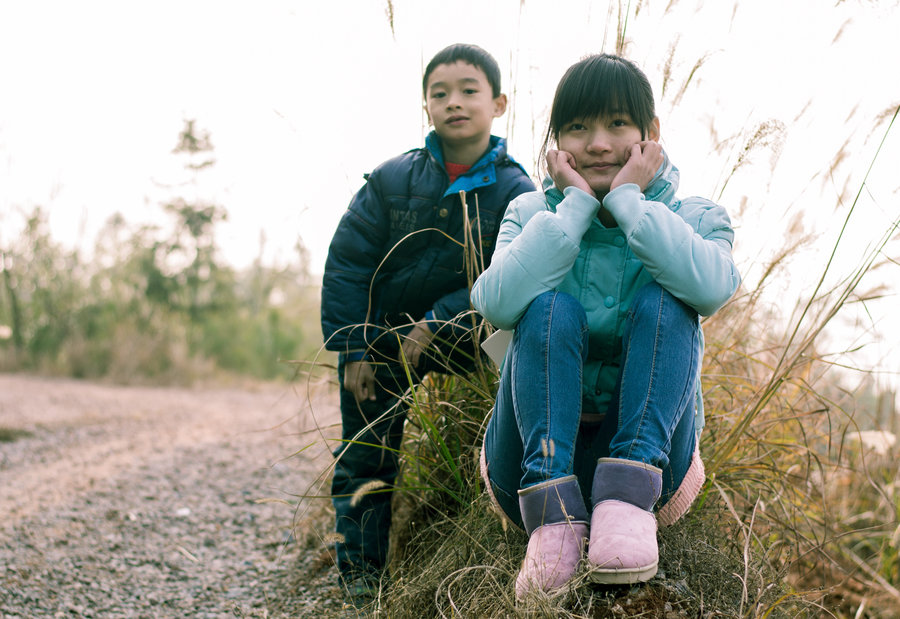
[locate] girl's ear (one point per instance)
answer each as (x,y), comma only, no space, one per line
(653,133)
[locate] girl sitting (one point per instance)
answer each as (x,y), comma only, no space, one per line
(603,276)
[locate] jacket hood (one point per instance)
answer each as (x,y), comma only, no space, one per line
(482,173)
(496,149)
(661,189)
(665,183)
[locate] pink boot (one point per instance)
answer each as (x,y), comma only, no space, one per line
(623,546)
(556,521)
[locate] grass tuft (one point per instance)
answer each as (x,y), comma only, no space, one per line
(10,435)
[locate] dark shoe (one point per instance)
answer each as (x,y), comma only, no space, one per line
(360,591)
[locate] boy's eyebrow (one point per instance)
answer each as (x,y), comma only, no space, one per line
(464,80)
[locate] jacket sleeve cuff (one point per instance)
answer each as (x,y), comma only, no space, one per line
(576,212)
(354,355)
(432,321)
(621,203)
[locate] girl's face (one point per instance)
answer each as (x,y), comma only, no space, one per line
(601,146)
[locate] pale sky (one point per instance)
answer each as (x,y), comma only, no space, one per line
(302,98)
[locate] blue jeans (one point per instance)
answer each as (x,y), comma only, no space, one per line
(537,433)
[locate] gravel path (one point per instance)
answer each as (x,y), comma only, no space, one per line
(161,502)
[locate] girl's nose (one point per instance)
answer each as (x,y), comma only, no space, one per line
(599,141)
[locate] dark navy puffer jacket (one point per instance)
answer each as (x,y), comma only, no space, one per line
(398,249)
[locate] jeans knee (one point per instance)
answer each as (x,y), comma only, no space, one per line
(652,300)
(564,310)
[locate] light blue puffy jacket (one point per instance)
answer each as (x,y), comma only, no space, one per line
(554,241)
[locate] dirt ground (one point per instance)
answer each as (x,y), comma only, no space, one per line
(162,502)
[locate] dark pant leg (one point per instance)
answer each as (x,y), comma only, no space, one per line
(371,435)
(367,457)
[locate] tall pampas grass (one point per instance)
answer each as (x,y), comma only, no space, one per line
(798,518)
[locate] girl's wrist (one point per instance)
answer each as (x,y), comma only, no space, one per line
(621,204)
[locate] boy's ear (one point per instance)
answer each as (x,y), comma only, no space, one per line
(653,133)
(427,115)
(500,105)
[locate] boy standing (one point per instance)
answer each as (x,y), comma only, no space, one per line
(395,271)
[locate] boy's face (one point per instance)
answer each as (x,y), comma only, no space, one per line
(460,103)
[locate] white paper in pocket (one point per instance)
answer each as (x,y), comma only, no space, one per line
(495,346)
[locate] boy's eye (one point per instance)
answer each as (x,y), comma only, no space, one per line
(438,94)
(470,91)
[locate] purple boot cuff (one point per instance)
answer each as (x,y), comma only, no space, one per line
(625,480)
(551,502)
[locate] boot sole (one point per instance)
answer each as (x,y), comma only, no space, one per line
(623,576)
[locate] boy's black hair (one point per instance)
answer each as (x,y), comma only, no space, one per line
(471,54)
(602,85)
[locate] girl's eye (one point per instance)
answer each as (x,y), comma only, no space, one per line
(619,122)
(575,127)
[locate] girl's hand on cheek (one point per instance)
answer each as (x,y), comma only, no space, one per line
(644,160)
(561,166)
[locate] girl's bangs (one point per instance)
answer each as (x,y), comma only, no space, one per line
(592,100)
(596,90)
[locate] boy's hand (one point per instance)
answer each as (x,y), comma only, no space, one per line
(359,379)
(417,340)
(561,166)
(644,160)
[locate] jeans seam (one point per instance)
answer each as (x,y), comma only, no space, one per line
(643,416)
(546,354)
(683,405)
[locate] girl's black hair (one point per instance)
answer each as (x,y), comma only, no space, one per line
(471,54)
(601,85)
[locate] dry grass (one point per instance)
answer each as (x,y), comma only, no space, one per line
(464,566)
(779,452)
(796,519)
